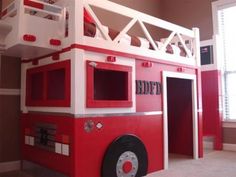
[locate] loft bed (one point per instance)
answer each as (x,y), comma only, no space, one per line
(64,28)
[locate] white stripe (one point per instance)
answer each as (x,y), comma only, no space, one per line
(206,43)
(9,91)
(9,166)
(120,114)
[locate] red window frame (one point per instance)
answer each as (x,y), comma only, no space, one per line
(44,70)
(91,102)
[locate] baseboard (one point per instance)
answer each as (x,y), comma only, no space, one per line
(9,166)
(10,92)
(229,147)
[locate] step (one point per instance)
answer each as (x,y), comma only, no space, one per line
(208,142)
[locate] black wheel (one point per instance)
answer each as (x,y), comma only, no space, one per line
(125,157)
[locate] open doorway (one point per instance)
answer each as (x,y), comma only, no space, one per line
(180,115)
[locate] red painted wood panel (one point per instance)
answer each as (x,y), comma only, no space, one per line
(87,149)
(58,162)
(92,146)
(154,73)
(212,117)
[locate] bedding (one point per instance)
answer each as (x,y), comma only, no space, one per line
(91,30)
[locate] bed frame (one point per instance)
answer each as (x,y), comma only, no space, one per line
(15,14)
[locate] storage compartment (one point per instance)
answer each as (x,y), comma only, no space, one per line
(108,85)
(49,85)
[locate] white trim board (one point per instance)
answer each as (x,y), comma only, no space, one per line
(9,91)
(165,75)
(229,147)
(10,166)
(206,42)
(229,124)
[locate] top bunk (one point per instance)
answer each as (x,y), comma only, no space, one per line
(41,27)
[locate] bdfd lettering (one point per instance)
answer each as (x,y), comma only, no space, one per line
(148,87)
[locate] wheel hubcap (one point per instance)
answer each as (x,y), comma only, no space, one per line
(127,165)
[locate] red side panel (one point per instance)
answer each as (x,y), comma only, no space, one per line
(153,102)
(90,147)
(87,149)
(211,92)
(58,162)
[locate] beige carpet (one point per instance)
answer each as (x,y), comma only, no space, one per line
(214,164)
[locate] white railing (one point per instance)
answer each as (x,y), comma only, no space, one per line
(178,33)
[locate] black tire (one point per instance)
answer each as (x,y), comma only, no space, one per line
(126,143)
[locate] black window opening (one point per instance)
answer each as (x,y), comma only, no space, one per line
(37,86)
(110,85)
(206,55)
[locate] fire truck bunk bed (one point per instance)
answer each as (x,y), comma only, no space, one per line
(85,85)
